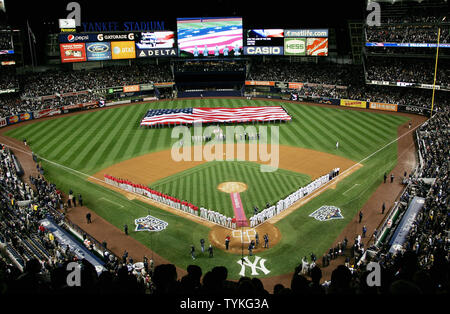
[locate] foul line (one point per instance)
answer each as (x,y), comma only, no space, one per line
(102,198)
(351,188)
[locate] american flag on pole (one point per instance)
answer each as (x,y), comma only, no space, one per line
(214,115)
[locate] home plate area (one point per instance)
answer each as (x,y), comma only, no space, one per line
(240,238)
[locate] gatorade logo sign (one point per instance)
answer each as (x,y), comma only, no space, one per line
(295,46)
(109,37)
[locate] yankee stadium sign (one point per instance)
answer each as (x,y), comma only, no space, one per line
(326,212)
(150,223)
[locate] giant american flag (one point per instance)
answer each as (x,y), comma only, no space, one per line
(215,115)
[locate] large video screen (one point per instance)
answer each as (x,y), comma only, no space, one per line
(205,37)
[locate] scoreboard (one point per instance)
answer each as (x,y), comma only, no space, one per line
(79,47)
(195,37)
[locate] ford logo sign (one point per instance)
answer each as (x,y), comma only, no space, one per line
(97,48)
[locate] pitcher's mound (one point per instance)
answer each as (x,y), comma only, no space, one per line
(232,187)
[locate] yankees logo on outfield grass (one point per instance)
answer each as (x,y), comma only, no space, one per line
(150,223)
(253,266)
(326,212)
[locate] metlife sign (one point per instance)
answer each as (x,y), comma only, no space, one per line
(255,51)
(294,46)
(306,33)
(156,52)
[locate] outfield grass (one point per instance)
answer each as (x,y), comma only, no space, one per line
(92,141)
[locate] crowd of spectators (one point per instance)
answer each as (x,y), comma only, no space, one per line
(52,82)
(56,83)
(210,66)
(407,70)
(422,266)
(407,34)
(5,40)
(8,78)
(279,70)
(422,263)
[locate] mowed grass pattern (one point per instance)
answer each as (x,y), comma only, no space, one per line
(91,141)
(199,185)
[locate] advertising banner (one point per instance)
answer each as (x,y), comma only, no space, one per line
(306,33)
(260,83)
(263,50)
(115,36)
(131,88)
(13,119)
(156,52)
(414,109)
(25,116)
(382,106)
(123,50)
(317,46)
(98,51)
(3,122)
(164,84)
(294,85)
(353,103)
(294,46)
(330,101)
(74,93)
(76,38)
(46,113)
(144,87)
(73,52)
(414,45)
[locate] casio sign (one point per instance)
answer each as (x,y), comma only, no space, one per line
(263,50)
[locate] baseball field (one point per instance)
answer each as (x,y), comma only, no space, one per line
(77,150)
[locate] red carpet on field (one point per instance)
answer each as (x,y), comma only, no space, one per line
(241,219)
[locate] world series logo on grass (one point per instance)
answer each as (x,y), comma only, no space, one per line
(150,223)
(325,213)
